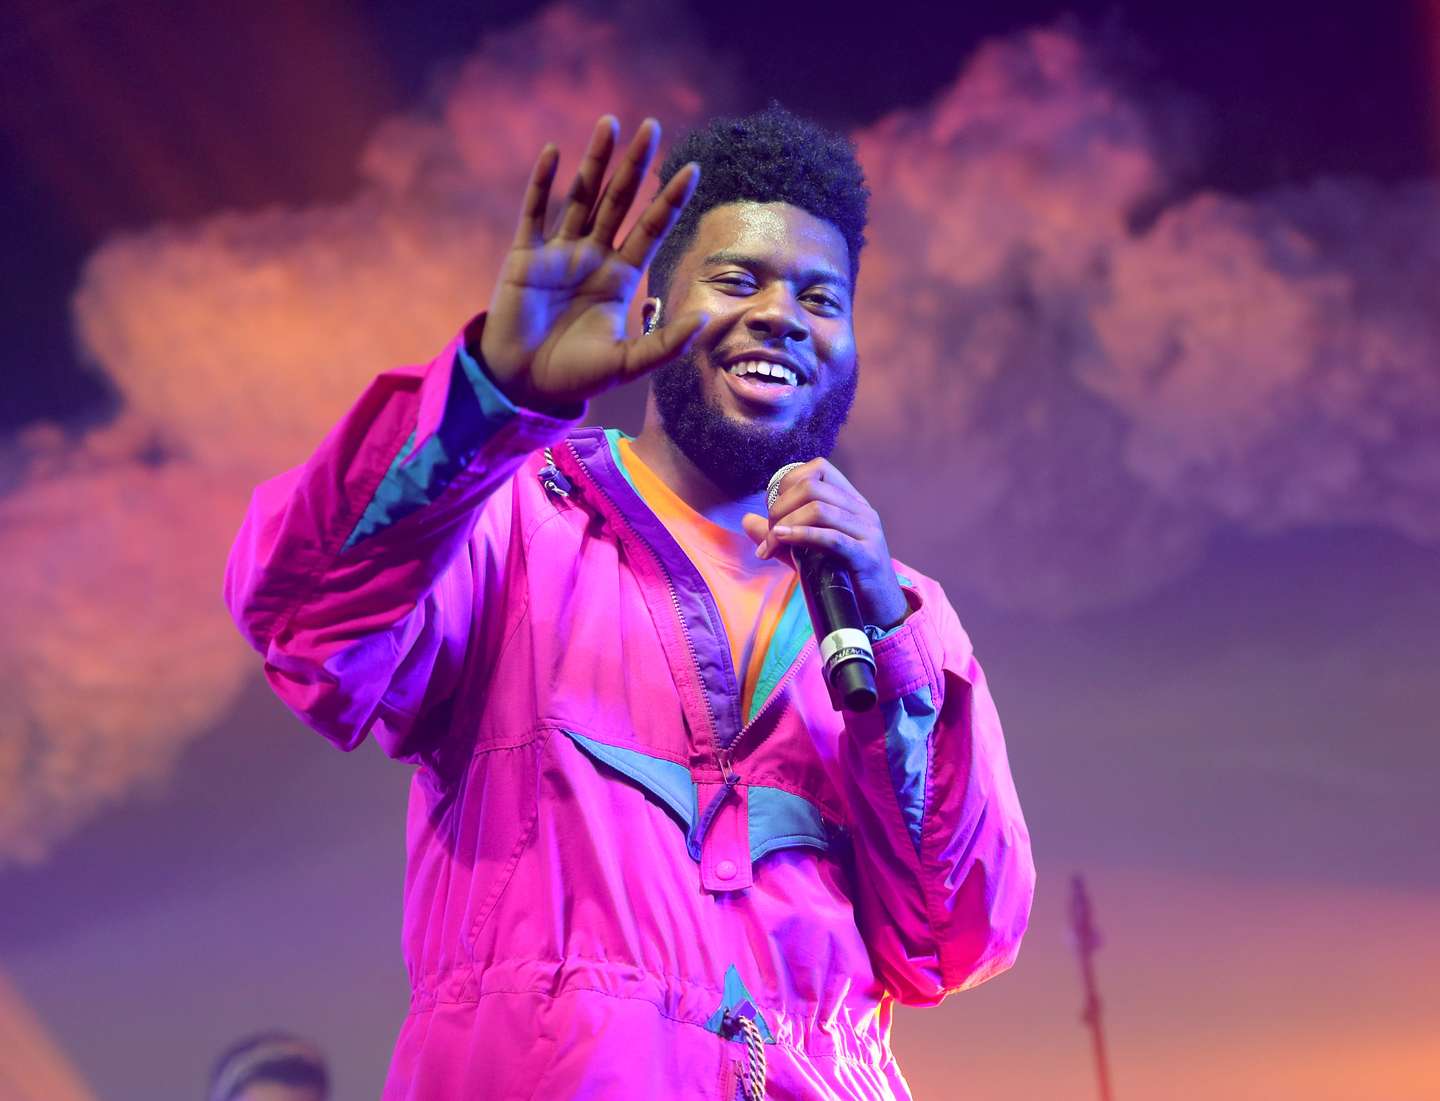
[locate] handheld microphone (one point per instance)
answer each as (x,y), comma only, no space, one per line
(845,654)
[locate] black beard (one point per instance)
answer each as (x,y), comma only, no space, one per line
(739,457)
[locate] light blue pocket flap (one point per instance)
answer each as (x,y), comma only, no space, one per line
(780,820)
(667,781)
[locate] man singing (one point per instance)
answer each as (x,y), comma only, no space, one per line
(648,858)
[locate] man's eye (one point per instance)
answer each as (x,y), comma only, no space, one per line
(823,300)
(736,281)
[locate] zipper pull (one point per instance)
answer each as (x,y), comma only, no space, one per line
(550,477)
(727,767)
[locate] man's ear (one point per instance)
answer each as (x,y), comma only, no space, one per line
(650,314)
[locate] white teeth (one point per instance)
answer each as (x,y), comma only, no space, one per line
(764,368)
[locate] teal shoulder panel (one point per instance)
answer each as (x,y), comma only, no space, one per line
(475,410)
(613,436)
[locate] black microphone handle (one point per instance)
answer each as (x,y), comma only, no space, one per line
(845,654)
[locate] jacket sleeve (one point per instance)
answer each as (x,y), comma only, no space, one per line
(358,575)
(942,855)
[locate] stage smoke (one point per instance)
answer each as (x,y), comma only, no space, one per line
(235,344)
(1056,409)
(1061,410)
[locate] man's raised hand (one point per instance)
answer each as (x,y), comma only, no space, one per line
(555,332)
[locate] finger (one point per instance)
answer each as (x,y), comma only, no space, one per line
(812,488)
(625,184)
(755,526)
(831,475)
(771,551)
(801,492)
(645,353)
(799,475)
(531,230)
(821,515)
(767,547)
(586,186)
(849,549)
(817,515)
(652,226)
(822,471)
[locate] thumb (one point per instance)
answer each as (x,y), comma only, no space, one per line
(756,526)
(665,344)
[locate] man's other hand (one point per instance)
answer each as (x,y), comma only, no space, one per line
(818,507)
(555,332)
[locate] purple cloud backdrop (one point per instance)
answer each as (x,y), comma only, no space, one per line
(1060,408)
(1174,457)
(1080,404)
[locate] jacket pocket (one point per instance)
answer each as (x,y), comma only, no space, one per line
(496,821)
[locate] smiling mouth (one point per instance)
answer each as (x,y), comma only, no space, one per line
(761,370)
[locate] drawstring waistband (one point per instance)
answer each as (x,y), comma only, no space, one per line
(753,1081)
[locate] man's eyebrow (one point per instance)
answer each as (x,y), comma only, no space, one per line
(809,277)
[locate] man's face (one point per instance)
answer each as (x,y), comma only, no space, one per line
(771,377)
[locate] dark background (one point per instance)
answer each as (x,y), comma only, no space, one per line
(117,114)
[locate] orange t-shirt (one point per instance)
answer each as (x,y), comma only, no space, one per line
(752,594)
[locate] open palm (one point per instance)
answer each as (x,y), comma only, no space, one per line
(555,332)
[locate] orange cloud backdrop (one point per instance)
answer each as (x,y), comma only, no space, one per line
(1075,404)
(1214,988)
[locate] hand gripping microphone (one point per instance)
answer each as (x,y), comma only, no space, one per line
(845,653)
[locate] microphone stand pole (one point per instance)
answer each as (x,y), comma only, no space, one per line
(1085,939)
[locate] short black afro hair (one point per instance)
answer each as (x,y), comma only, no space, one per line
(769,157)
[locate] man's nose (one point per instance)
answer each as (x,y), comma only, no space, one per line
(778,315)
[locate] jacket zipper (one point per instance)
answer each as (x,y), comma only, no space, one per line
(724,751)
(721,750)
(775,694)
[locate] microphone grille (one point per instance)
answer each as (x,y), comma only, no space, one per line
(773,490)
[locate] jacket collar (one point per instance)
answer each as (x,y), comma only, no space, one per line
(705,643)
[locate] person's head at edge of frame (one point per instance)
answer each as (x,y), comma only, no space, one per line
(769,246)
(273,1066)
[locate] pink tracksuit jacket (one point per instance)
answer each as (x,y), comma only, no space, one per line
(607,859)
